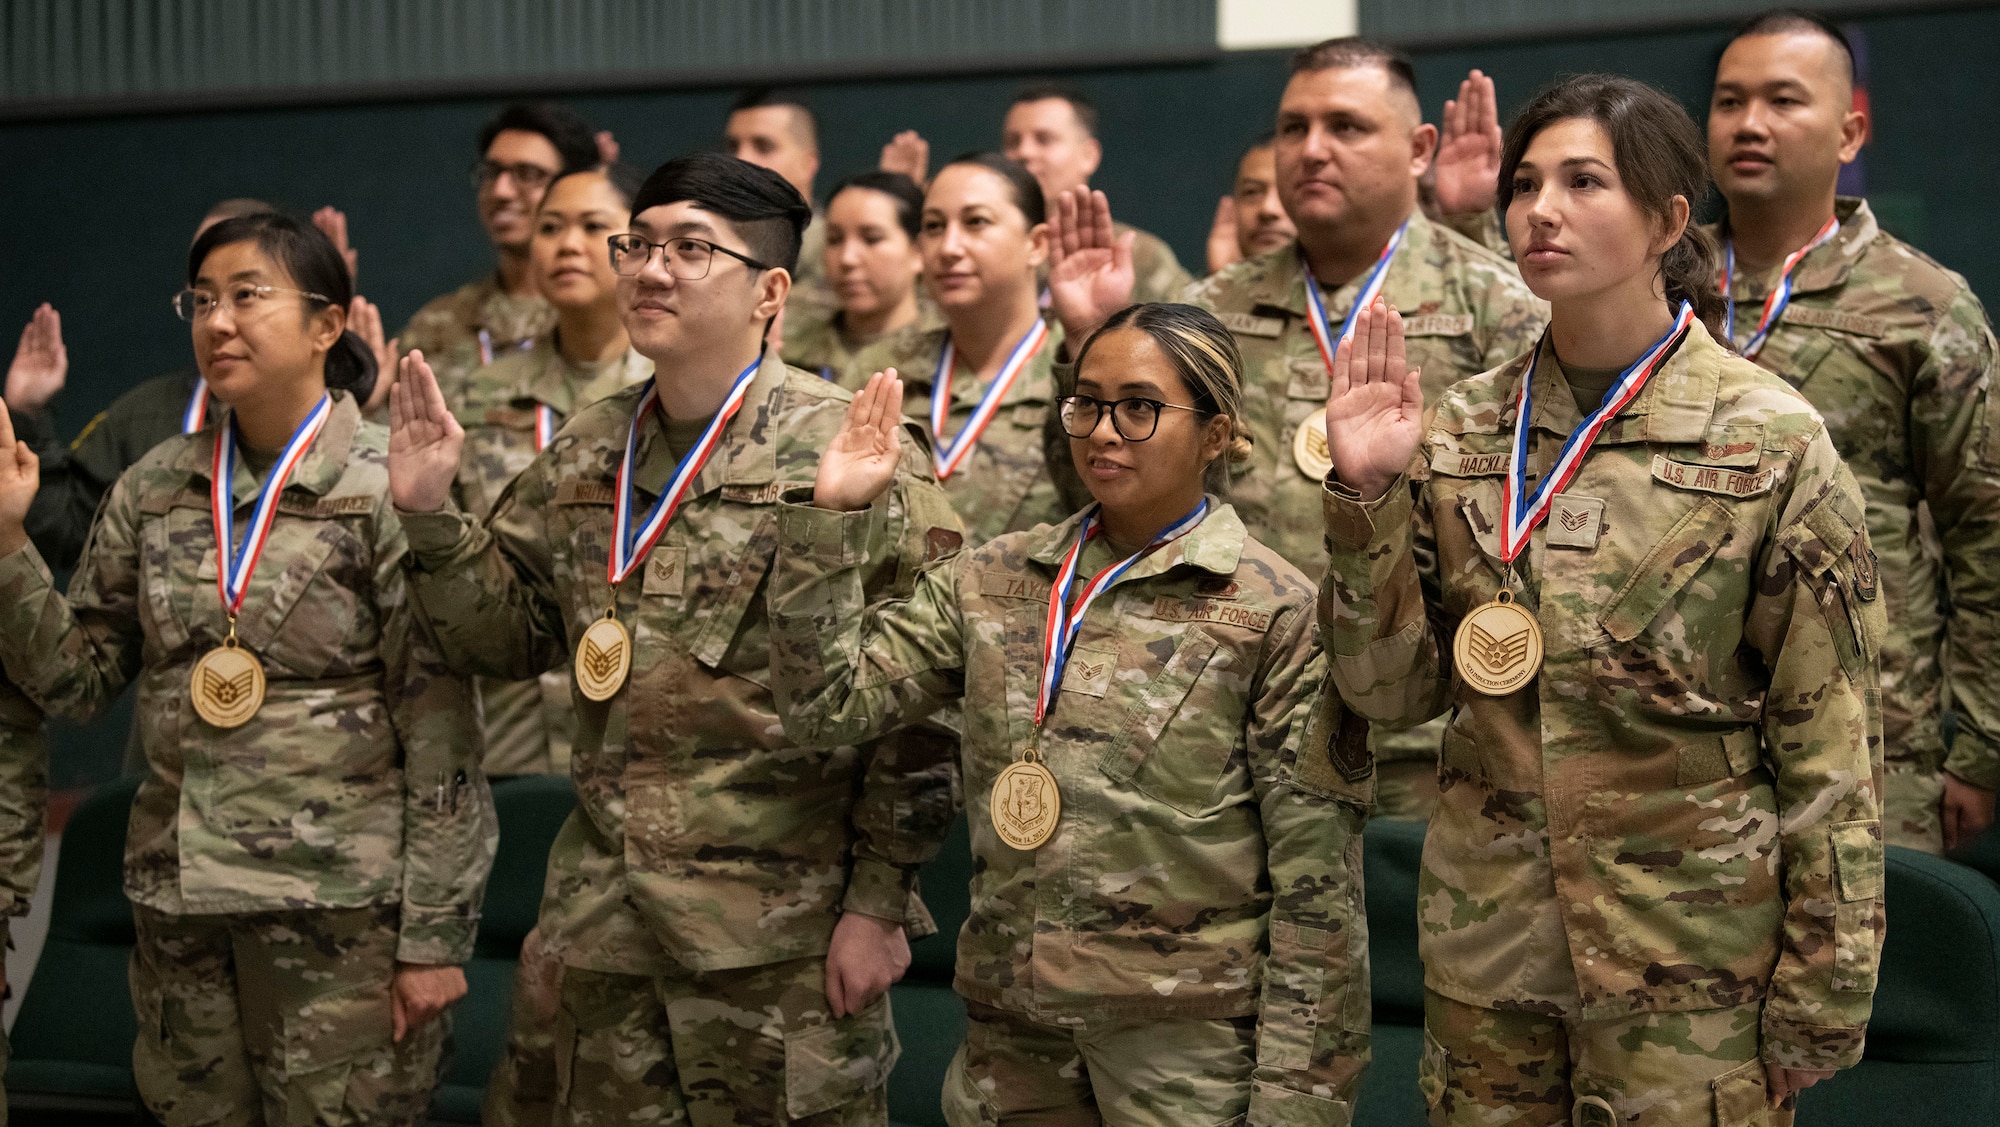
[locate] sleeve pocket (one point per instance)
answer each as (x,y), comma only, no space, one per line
(834,1063)
(1294,979)
(1857,864)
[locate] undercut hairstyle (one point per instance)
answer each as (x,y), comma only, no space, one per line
(1079,102)
(1660,152)
(1205,356)
(1027,191)
(763,206)
(313,265)
(758,97)
(1783,21)
(235,208)
(903,191)
(1357,51)
(623,178)
(575,141)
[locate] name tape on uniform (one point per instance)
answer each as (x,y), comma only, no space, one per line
(1712,479)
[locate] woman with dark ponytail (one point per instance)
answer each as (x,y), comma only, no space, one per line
(1633,568)
(306,855)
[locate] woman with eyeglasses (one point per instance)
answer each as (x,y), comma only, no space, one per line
(307,852)
(874,265)
(983,383)
(1635,570)
(1166,919)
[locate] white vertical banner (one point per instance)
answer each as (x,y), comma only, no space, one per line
(1248,25)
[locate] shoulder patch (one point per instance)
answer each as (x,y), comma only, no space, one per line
(1723,480)
(1834,319)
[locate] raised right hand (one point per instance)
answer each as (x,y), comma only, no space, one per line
(1223,249)
(424,440)
(20,477)
(861,462)
(1375,414)
(1090,266)
(41,362)
(908,153)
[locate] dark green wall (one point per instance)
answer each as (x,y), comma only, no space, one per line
(97,213)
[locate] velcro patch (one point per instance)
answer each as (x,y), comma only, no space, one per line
(1000,585)
(1438,325)
(574,492)
(1834,319)
(1170,609)
(1713,479)
(1089,671)
(320,508)
(765,494)
(1251,325)
(666,571)
(941,542)
(1457,463)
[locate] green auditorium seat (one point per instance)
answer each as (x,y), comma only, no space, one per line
(1392,852)
(930,1018)
(531,808)
(73,1038)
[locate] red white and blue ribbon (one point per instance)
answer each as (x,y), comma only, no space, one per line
(1060,634)
(195,415)
(630,546)
(1779,297)
(1316,318)
(546,425)
(1521,510)
(951,453)
(235,565)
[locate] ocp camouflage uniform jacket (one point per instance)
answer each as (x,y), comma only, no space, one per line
(703,838)
(471,326)
(358,781)
(1682,811)
(24,800)
(1897,355)
(1208,856)
(528,724)
(1004,484)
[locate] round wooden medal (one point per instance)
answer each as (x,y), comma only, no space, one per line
(1309,448)
(1025,805)
(603,659)
(227,685)
(1498,647)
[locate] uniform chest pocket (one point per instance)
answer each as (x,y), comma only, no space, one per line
(1667,569)
(727,635)
(303,613)
(1180,732)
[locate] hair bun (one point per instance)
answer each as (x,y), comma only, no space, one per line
(1240,446)
(351,367)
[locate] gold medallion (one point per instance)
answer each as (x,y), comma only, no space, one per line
(1309,447)
(603,658)
(1498,648)
(1025,805)
(227,685)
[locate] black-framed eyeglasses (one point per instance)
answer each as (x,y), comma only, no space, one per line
(243,300)
(687,258)
(1135,418)
(528,176)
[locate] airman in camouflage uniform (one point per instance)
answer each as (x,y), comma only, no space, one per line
(1206,923)
(474,325)
(1004,485)
(282,869)
(1669,844)
(697,885)
(24,794)
(822,346)
(528,724)
(1157,275)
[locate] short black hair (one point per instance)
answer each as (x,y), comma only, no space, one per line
(1027,191)
(574,139)
(309,258)
(1079,102)
(1263,140)
(623,178)
(909,198)
(1778,21)
(791,97)
(764,207)
(1357,51)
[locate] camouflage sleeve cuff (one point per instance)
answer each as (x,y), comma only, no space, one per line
(1974,759)
(436,936)
(1351,522)
(882,890)
(1797,1044)
(828,538)
(435,537)
(23,576)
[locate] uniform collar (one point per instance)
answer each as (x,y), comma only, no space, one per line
(1674,406)
(1826,266)
(1036,384)
(747,453)
(1284,285)
(317,473)
(550,379)
(1215,545)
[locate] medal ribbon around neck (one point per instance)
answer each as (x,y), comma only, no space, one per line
(630,546)
(1522,511)
(545,426)
(1780,295)
(235,567)
(1060,635)
(949,455)
(195,415)
(1316,318)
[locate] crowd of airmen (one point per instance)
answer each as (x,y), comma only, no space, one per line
(1476,482)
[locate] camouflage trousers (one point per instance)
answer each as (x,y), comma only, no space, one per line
(522,1090)
(278,1018)
(733,1048)
(1152,1072)
(1484,1068)
(1912,801)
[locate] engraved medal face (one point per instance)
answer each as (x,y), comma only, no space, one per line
(1498,648)
(1309,447)
(227,686)
(1025,805)
(603,658)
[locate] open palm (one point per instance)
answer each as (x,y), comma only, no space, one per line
(41,362)
(1468,157)
(860,463)
(424,440)
(1374,416)
(1090,267)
